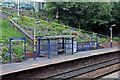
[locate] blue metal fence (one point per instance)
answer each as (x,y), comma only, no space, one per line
(83,46)
(10,47)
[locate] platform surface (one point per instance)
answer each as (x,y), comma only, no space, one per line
(44,61)
(113,75)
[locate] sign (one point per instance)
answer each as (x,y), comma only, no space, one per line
(17,39)
(34,40)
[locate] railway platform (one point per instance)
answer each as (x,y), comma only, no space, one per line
(113,75)
(44,61)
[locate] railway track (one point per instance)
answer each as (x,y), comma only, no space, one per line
(86,69)
(100,73)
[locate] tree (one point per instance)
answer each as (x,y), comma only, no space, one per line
(86,15)
(116,15)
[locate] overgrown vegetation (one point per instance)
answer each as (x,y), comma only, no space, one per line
(45,28)
(9,31)
(84,19)
(90,16)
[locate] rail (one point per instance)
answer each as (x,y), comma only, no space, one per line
(84,70)
(22,30)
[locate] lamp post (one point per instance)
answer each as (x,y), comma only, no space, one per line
(18,7)
(111,35)
(34,43)
(35,40)
(57,14)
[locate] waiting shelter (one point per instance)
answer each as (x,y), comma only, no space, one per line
(55,45)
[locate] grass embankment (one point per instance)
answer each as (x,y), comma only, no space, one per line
(8,31)
(53,28)
(46,28)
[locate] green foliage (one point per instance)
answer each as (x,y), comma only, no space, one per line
(8,31)
(86,15)
(45,28)
(19,51)
(4,57)
(116,15)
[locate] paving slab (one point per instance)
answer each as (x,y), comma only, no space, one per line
(44,61)
(113,75)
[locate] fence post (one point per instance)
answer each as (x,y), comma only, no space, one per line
(34,51)
(65,44)
(96,41)
(25,49)
(48,48)
(56,44)
(10,51)
(91,41)
(39,47)
(72,45)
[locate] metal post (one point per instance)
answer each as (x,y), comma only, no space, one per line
(25,49)
(41,6)
(72,45)
(48,48)
(96,41)
(65,44)
(18,7)
(34,44)
(83,46)
(111,45)
(91,41)
(57,14)
(39,47)
(34,5)
(10,51)
(56,45)
(111,36)
(35,41)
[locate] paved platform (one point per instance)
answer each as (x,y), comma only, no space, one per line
(44,61)
(113,75)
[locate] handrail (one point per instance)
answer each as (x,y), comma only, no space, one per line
(22,30)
